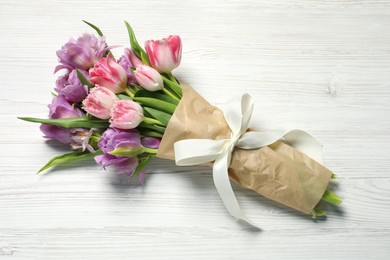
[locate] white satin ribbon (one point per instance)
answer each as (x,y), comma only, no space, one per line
(237,114)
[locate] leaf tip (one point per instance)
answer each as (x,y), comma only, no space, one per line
(40,170)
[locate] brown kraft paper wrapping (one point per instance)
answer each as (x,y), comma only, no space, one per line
(278,171)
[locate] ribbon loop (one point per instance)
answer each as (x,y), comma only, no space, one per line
(237,113)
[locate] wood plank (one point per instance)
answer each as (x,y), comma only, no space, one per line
(322,66)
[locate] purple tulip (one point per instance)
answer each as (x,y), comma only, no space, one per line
(114,138)
(70,86)
(80,139)
(60,108)
(127,61)
(81,53)
(151,142)
(60,134)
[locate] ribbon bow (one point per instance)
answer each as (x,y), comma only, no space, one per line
(237,114)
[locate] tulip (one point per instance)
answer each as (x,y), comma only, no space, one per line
(164,55)
(60,108)
(151,142)
(148,78)
(128,60)
(99,102)
(109,74)
(81,53)
(113,139)
(123,165)
(80,139)
(70,86)
(62,135)
(126,114)
(135,61)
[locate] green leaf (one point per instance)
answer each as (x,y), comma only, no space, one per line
(133,41)
(150,120)
(121,96)
(94,27)
(157,104)
(141,165)
(82,122)
(126,152)
(156,95)
(70,157)
(83,79)
(173,86)
(160,128)
(144,58)
(147,132)
(153,127)
(160,116)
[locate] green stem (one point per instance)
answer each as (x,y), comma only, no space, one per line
(153,127)
(172,78)
(152,133)
(152,121)
(166,91)
(176,88)
(317,212)
(331,197)
(129,92)
(96,139)
(150,150)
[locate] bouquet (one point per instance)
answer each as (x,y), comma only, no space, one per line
(124,112)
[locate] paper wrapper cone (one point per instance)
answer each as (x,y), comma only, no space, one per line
(278,171)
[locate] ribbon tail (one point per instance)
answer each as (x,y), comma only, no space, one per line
(224,188)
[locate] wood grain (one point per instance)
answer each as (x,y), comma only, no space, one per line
(322,66)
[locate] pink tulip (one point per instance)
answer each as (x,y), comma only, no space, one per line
(148,78)
(126,114)
(109,74)
(135,61)
(99,102)
(164,55)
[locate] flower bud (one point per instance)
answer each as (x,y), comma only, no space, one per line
(109,74)
(126,114)
(127,61)
(135,61)
(80,139)
(114,139)
(99,102)
(60,108)
(164,55)
(148,78)
(151,142)
(70,86)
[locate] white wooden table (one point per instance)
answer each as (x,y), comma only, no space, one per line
(322,66)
